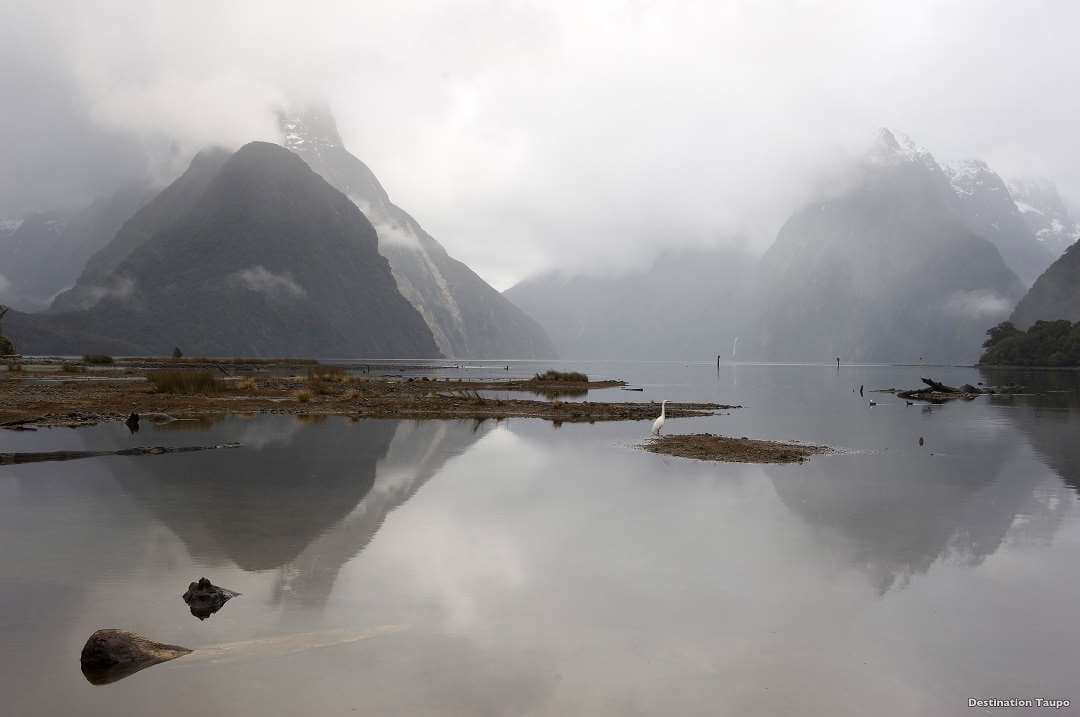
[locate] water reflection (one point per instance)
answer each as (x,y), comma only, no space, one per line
(416,452)
(960,497)
(1048,414)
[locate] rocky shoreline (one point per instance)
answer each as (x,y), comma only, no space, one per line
(47,395)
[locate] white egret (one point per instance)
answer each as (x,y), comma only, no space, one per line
(659,422)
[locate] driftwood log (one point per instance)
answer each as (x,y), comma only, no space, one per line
(7,459)
(111,655)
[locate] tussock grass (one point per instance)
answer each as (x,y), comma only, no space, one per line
(303,395)
(562,377)
(185,383)
(72,368)
(244,384)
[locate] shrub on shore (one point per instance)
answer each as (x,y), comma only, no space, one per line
(303,395)
(98,360)
(185,383)
(562,377)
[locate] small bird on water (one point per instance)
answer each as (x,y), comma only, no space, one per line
(659,422)
(873,402)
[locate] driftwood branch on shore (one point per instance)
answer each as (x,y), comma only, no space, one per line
(7,459)
(940,387)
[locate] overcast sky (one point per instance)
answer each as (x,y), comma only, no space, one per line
(526,135)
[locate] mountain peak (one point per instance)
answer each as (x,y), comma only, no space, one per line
(971,175)
(308,127)
(892,147)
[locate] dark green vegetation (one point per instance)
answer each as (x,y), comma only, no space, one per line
(98,360)
(266,260)
(7,346)
(1046,343)
(562,376)
(1055,295)
(184,383)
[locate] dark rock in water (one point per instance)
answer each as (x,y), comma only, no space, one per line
(204,598)
(111,655)
(132,423)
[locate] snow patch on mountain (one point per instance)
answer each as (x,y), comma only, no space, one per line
(970,176)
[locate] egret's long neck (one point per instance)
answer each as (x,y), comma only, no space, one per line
(663,408)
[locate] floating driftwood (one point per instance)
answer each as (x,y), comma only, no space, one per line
(938,392)
(17,458)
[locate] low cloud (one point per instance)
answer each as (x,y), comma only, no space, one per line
(978,305)
(263,281)
(120,287)
(5,284)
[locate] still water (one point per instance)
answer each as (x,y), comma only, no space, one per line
(515,568)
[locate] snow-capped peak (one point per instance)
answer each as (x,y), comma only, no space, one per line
(970,175)
(309,127)
(893,147)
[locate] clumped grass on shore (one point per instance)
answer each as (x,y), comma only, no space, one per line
(72,368)
(244,384)
(324,379)
(303,395)
(98,360)
(184,382)
(562,376)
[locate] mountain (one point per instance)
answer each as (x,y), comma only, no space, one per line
(98,279)
(269,260)
(1055,294)
(886,270)
(1045,214)
(468,317)
(989,210)
(687,304)
(43,253)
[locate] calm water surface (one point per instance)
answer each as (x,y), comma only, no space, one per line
(515,568)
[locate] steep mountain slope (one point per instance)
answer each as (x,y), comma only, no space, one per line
(686,305)
(43,253)
(1045,214)
(467,316)
(988,209)
(98,279)
(1055,295)
(886,271)
(269,260)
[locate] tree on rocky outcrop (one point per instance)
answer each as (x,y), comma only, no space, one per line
(7,346)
